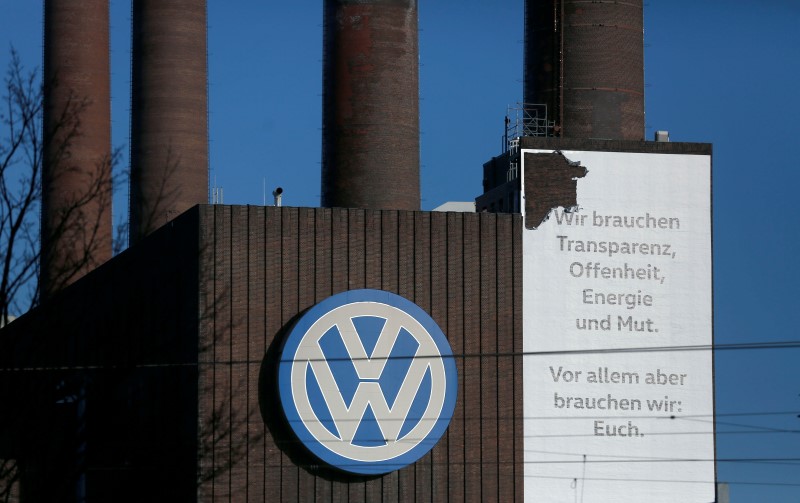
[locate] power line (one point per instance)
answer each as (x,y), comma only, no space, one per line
(641,349)
(740,425)
(654,458)
(605,479)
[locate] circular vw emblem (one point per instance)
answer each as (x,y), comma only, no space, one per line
(367,381)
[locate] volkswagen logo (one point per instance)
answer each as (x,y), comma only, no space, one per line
(367,381)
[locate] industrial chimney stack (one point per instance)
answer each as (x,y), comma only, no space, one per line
(169,112)
(585,61)
(76,171)
(370,124)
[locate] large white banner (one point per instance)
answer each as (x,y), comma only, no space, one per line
(618,398)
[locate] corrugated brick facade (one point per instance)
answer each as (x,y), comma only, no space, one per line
(264,266)
(172,346)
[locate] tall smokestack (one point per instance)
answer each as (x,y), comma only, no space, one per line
(76,171)
(370,123)
(169,112)
(585,61)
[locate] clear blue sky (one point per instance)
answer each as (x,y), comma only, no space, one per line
(727,73)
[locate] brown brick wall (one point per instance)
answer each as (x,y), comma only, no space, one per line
(107,367)
(261,267)
(177,380)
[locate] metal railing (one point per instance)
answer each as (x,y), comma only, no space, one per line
(526,119)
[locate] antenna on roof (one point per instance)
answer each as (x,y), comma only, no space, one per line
(216,193)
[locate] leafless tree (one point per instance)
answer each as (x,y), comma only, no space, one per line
(23,145)
(20,188)
(223,433)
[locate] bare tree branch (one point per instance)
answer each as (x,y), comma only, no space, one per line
(23,143)
(20,187)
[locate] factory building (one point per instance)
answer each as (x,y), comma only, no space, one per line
(360,351)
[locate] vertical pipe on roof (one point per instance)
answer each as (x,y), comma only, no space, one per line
(585,60)
(76,169)
(169,112)
(370,123)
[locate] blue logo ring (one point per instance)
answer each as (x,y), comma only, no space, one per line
(367,381)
